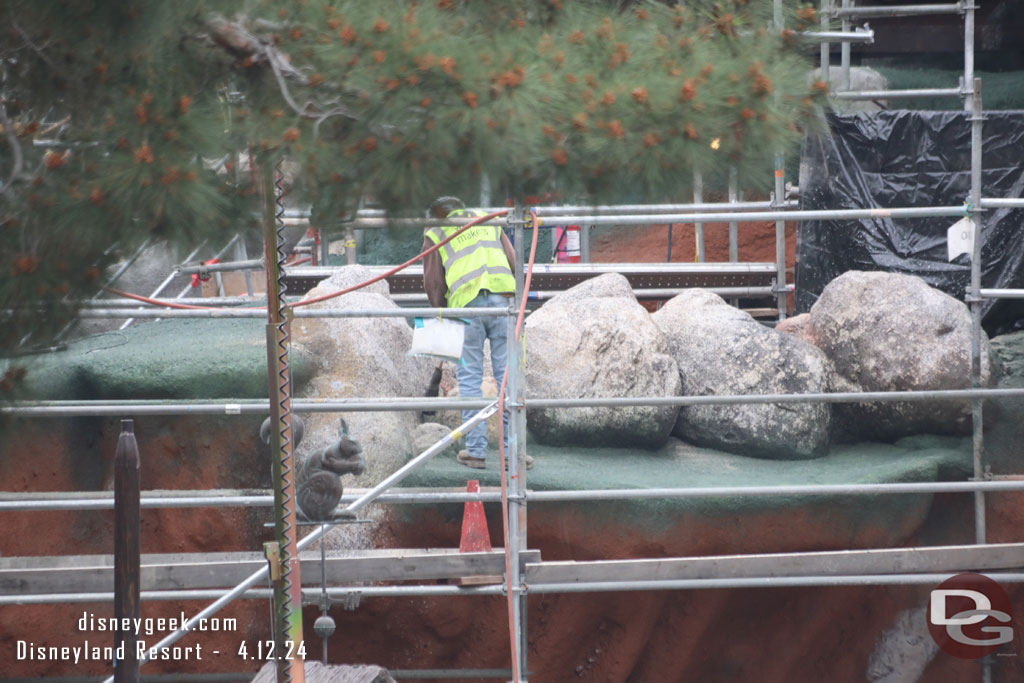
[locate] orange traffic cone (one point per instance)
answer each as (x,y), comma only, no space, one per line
(475,537)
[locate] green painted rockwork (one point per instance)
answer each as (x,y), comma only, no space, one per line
(166,359)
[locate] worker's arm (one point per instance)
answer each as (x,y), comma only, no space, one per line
(510,253)
(433,277)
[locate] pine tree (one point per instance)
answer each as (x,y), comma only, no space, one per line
(126,120)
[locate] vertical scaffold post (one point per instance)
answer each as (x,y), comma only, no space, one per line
(977,119)
(127,524)
(977,215)
(825,16)
(698,198)
(968,81)
(288,595)
(517,442)
(779,198)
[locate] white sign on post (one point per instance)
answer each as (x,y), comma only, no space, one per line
(960,238)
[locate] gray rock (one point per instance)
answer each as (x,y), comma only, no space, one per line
(429,433)
(364,357)
(861,78)
(605,345)
(904,650)
(892,332)
(721,350)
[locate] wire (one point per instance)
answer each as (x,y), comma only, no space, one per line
(167,304)
(501,456)
(476,221)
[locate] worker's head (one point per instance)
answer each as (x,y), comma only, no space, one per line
(442,206)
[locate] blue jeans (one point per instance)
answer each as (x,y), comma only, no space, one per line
(470,373)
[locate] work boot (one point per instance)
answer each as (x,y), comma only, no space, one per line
(527,461)
(468,460)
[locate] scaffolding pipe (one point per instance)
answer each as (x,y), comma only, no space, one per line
(897,10)
(824,49)
(1003,203)
(975,301)
(223,599)
(516,358)
(665,293)
(154,501)
(312,596)
(763,582)
(8,503)
(297,313)
(258,407)
(565,209)
(656,208)
(892,94)
(734,200)
(1002,294)
(786,490)
(754,216)
(860,35)
(836,397)
(844,55)
(708,217)
(698,227)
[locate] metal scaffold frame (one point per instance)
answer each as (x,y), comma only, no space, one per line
(519,494)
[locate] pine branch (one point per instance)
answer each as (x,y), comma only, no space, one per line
(35,48)
(15,145)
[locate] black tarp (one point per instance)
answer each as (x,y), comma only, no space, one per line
(912,158)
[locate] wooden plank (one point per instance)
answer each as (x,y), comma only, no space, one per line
(833,563)
(94,573)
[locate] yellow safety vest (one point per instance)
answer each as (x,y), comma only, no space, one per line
(472,261)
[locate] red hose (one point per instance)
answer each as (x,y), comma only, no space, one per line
(501,458)
(476,221)
(166,304)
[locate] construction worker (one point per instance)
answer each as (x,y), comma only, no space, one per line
(473,270)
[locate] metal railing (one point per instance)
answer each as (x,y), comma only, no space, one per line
(520,495)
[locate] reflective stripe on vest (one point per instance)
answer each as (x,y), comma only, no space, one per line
(473,261)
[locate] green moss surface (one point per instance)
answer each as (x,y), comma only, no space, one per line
(167,359)
(680,465)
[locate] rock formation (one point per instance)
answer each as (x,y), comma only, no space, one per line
(362,357)
(721,350)
(891,332)
(595,340)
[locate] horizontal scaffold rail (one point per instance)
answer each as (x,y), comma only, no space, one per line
(828,563)
(100,500)
(549,277)
(94,573)
(757,216)
(84,578)
(896,10)
(894,94)
(312,596)
(260,407)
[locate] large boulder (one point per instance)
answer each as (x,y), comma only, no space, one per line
(892,332)
(361,357)
(595,340)
(721,350)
